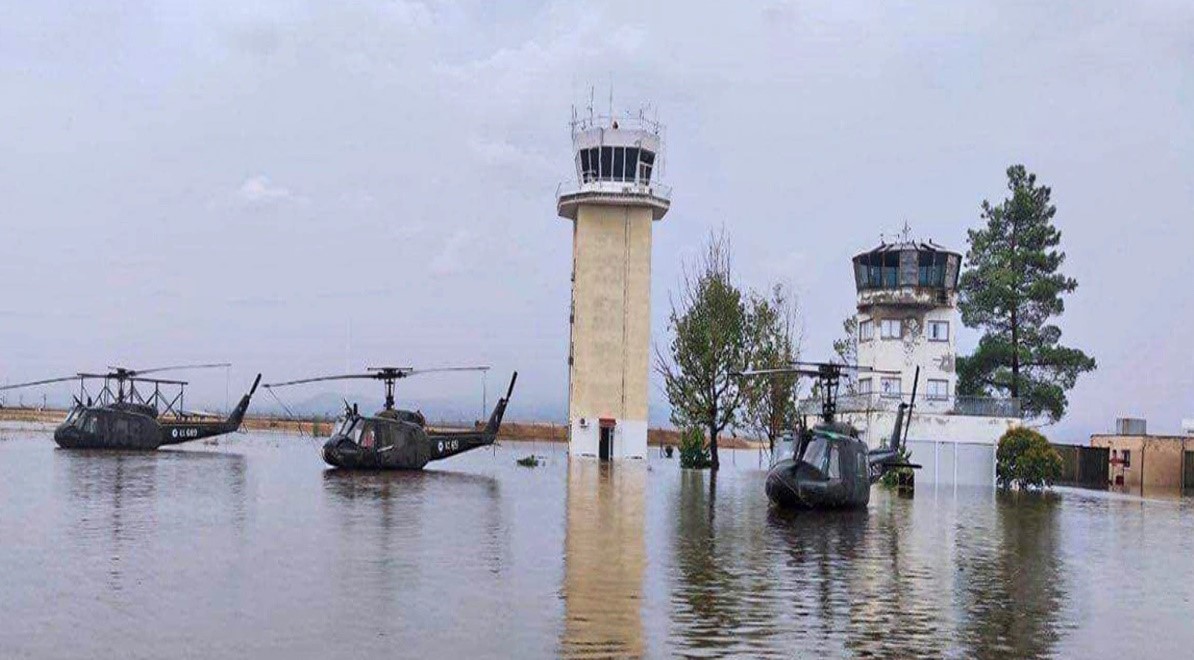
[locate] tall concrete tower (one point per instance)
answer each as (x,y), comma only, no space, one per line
(612,204)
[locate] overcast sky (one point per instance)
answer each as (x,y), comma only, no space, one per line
(297,186)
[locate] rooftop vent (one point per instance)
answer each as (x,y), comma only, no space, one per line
(1130,426)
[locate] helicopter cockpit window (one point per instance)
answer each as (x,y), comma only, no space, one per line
(344,426)
(835,467)
(73,416)
(89,423)
(816,453)
(367,437)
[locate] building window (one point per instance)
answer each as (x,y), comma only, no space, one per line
(607,163)
(646,161)
(866,330)
(938,389)
(631,167)
(1127,456)
(864,386)
(938,330)
(891,328)
(890,387)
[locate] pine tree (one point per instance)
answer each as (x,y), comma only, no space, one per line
(1012,290)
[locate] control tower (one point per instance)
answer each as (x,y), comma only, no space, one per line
(907,294)
(612,204)
(908,318)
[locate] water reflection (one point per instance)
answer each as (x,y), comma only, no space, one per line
(604,559)
(255,550)
(1011,590)
(115,497)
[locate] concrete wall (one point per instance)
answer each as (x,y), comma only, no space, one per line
(952,449)
(611,326)
(953,463)
(876,427)
(935,358)
(1156,460)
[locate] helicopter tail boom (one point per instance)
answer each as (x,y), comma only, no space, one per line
(176,432)
(450,443)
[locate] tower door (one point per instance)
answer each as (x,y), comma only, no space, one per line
(605,446)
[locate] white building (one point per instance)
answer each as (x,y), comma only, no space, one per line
(612,205)
(907,318)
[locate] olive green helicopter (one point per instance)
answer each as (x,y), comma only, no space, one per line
(395,439)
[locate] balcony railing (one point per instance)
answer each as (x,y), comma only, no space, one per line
(975,406)
(656,190)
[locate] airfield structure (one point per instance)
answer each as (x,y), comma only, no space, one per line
(907,318)
(612,204)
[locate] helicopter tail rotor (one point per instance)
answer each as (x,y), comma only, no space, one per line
(499,410)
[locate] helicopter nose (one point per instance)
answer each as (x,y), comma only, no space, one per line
(330,455)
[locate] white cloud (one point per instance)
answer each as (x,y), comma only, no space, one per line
(260,190)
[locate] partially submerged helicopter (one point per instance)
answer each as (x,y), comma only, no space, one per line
(123,417)
(828,465)
(394,439)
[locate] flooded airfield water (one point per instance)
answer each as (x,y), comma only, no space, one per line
(252,549)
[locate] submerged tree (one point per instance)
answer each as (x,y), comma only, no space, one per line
(1012,289)
(708,344)
(1025,459)
(773,340)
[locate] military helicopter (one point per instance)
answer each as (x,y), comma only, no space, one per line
(828,466)
(123,417)
(394,439)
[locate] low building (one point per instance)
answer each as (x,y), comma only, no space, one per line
(1140,462)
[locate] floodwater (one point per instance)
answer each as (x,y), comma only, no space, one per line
(251,549)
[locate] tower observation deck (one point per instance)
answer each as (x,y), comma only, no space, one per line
(612,203)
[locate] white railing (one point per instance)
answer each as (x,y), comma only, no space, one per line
(975,406)
(627,122)
(657,190)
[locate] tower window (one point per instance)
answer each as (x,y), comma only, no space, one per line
(891,329)
(588,164)
(931,269)
(938,330)
(938,390)
(631,164)
(619,163)
(607,162)
(890,387)
(646,161)
(866,330)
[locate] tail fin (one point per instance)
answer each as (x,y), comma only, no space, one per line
(499,411)
(897,433)
(238,413)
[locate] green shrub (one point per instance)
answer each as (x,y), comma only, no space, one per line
(892,478)
(1025,459)
(693,452)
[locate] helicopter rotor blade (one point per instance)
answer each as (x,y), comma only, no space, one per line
(142,372)
(41,382)
(416,372)
(321,378)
